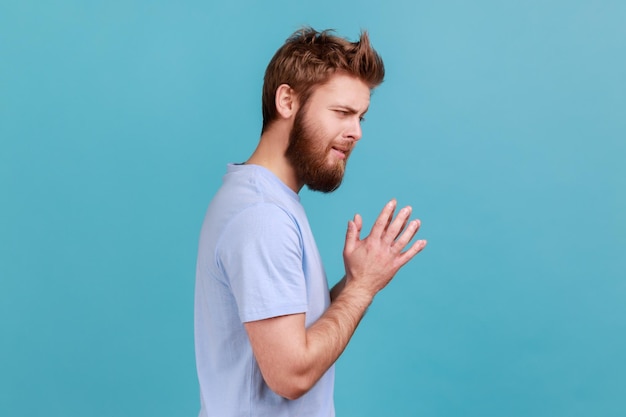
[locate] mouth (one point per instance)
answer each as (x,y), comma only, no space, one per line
(341,152)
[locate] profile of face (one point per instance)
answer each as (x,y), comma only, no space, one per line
(325,130)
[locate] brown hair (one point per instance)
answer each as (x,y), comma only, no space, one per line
(309,58)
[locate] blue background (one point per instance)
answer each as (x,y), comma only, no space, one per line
(503,123)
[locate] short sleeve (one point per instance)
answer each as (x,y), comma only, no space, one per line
(260,253)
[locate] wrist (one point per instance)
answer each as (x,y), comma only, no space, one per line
(358,294)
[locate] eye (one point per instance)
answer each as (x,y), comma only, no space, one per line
(361,119)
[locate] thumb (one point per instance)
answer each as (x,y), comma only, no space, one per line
(352,237)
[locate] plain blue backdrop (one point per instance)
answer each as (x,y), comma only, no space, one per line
(503,123)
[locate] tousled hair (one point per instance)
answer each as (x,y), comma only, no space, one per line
(309,58)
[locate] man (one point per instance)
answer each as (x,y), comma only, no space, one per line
(268,330)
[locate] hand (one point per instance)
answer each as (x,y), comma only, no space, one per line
(372,262)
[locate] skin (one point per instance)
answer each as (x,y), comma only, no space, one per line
(291,357)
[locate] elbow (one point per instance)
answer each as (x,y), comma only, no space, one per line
(291,387)
(290,393)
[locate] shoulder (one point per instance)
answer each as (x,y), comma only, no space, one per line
(264,223)
(262,215)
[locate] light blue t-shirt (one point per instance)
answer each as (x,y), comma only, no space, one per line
(257,259)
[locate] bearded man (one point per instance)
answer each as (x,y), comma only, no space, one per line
(268,330)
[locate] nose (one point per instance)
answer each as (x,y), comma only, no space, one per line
(354,131)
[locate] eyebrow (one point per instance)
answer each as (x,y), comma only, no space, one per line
(351,109)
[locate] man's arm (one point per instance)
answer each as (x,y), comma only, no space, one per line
(293,358)
(336,290)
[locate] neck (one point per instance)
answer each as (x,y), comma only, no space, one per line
(270,154)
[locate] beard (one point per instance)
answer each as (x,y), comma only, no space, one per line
(309,157)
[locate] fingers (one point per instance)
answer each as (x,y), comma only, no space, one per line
(396,232)
(384,219)
(406,236)
(411,252)
(398,224)
(403,226)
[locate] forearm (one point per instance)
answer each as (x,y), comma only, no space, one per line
(292,365)
(336,290)
(328,337)
(331,332)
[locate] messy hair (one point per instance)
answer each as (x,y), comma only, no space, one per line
(309,58)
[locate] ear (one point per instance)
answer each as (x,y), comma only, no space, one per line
(286,101)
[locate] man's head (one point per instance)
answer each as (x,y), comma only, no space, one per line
(309,58)
(331,79)
(325,130)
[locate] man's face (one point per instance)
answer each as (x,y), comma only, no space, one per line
(325,131)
